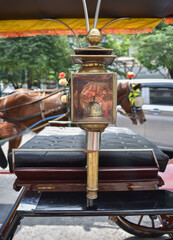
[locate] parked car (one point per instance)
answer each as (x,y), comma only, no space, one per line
(158,109)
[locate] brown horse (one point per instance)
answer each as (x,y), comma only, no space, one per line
(24,108)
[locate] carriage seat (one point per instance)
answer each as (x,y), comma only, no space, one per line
(74,138)
(48,165)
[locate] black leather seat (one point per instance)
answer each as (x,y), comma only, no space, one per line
(74,138)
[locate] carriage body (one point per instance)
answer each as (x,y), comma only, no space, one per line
(51,167)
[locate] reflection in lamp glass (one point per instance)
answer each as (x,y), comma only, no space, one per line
(94,109)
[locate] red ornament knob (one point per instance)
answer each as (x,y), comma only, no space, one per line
(130,75)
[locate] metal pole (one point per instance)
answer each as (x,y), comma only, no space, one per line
(92,174)
(93,147)
(97,13)
(56,20)
(112,21)
(86,15)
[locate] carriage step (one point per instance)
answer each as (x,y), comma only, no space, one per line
(54,204)
(108,203)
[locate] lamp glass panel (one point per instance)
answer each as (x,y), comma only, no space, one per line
(92,97)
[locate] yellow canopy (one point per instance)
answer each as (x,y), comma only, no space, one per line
(24,17)
(32,27)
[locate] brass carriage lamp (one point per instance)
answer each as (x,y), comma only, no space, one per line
(93,101)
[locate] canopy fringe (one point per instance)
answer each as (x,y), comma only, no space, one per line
(68,32)
(126,31)
(168,20)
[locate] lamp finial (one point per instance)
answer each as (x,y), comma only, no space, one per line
(94,37)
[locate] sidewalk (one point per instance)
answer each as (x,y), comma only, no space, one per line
(7,195)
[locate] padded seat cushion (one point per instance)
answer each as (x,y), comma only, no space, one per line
(74,138)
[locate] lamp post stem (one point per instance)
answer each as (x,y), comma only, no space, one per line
(93,146)
(97,13)
(86,15)
(92,174)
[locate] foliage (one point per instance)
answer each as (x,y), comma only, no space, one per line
(42,58)
(155,50)
(120,45)
(152,50)
(33,58)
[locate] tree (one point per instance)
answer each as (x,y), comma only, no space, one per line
(155,50)
(120,45)
(33,58)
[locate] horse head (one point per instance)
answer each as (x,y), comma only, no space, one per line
(130,99)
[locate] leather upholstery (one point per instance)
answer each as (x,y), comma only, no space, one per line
(74,138)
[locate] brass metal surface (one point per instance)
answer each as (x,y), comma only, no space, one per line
(94,37)
(105,59)
(92,174)
(92,68)
(93,126)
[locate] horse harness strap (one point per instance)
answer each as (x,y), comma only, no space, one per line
(42,106)
(124,100)
(4,109)
(40,103)
(30,116)
(29,103)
